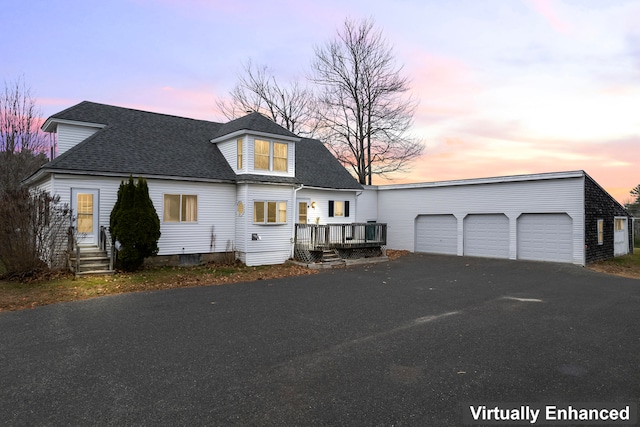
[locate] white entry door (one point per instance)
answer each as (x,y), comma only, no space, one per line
(303,205)
(620,237)
(85,210)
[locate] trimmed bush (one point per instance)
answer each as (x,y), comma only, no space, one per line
(134,223)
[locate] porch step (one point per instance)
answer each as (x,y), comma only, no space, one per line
(92,261)
(331,256)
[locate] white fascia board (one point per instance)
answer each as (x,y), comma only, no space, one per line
(126,175)
(50,124)
(353,190)
(243,132)
(491,180)
(280,184)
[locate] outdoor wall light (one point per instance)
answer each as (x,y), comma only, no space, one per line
(313,205)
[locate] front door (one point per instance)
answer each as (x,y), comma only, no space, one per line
(85,210)
(620,237)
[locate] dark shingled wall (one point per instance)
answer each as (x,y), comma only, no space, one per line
(600,205)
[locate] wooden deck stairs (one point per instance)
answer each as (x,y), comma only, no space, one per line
(330,256)
(92,261)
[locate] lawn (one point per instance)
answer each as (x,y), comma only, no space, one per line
(627,265)
(64,287)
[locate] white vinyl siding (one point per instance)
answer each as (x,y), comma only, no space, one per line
(71,135)
(216,220)
(273,245)
(545,237)
(320,213)
(486,235)
(241,221)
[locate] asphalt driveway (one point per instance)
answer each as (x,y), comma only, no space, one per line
(403,343)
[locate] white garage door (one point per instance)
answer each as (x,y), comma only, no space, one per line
(437,234)
(486,235)
(545,237)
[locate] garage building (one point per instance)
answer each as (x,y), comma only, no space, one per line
(558,217)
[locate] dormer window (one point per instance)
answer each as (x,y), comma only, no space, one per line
(270,155)
(279,157)
(240,154)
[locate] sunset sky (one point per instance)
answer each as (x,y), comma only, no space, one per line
(505,86)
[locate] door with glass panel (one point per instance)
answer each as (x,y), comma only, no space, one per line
(302,211)
(85,211)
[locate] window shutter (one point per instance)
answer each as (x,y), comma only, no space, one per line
(330,208)
(346,208)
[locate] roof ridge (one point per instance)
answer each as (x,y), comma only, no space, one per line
(131,109)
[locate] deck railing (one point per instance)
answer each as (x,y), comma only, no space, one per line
(340,236)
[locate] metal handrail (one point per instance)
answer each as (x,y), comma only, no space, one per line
(105,236)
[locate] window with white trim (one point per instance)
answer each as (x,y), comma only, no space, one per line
(180,208)
(270,155)
(600,231)
(269,212)
(239,146)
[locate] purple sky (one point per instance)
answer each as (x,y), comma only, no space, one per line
(505,86)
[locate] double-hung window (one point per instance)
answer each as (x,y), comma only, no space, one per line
(269,212)
(180,208)
(270,155)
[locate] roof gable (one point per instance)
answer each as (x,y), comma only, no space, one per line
(254,122)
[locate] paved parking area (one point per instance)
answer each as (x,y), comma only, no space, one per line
(400,343)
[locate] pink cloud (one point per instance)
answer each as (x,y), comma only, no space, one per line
(544,8)
(466,157)
(445,86)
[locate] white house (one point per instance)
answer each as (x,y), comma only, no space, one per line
(251,187)
(240,186)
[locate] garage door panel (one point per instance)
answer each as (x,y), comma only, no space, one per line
(486,235)
(545,237)
(437,234)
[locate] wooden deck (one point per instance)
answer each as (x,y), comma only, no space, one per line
(315,237)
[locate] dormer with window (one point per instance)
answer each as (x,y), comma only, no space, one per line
(255,145)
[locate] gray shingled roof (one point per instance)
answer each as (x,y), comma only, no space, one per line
(142,143)
(255,122)
(151,144)
(317,167)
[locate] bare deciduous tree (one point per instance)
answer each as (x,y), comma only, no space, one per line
(32,231)
(364,113)
(292,106)
(23,147)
